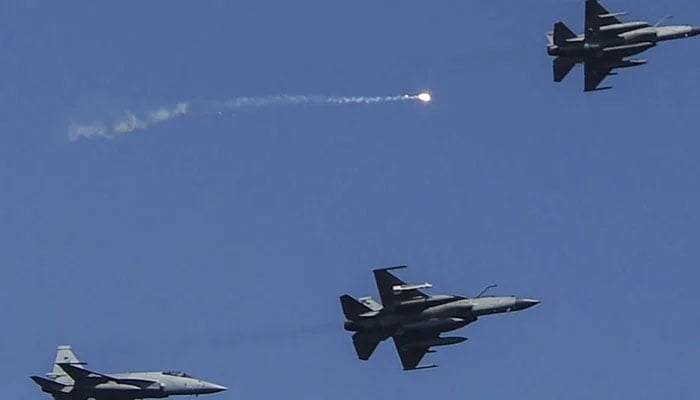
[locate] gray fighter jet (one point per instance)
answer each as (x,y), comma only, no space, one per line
(415,320)
(606,43)
(70,380)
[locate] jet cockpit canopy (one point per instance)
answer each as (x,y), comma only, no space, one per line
(177,373)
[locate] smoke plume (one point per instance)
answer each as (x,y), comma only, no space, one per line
(132,122)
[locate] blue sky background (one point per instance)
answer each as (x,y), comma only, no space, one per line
(219,245)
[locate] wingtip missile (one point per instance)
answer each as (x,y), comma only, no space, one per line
(398,289)
(422,367)
(435,342)
(613,15)
(629,64)
(599,89)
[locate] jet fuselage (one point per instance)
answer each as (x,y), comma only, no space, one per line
(71,380)
(164,384)
(438,315)
(134,385)
(414,320)
(621,40)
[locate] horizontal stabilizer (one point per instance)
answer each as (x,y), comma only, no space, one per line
(47,385)
(365,345)
(561,67)
(81,375)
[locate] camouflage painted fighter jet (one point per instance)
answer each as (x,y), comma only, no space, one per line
(415,320)
(70,380)
(606,43)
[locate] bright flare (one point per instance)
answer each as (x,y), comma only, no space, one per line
(424,97)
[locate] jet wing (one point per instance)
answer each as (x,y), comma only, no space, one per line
(386,283)
(597,16)
(411,354)
(595,71)
(85,377)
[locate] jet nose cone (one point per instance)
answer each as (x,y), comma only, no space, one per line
(695,31)
(522,304)
(219,388)
(213,388)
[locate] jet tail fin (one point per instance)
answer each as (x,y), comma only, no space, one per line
(561,67)
(64,355)
(562,33)
(352,308)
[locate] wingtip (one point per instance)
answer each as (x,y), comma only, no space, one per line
(598,89)
(391,268)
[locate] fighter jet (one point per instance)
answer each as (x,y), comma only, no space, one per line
(415,320)
(606,44)
(70,380)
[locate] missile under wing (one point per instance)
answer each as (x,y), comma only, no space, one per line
(393,290)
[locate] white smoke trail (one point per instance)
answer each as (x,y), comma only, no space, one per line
(131,122)
(287,99)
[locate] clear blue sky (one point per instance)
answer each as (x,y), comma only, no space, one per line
(219,244)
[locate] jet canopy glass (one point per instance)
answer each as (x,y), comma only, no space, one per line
(177,373)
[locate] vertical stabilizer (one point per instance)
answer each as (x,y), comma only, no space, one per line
(352,308)
(64,355)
